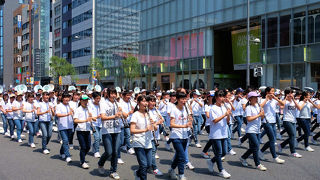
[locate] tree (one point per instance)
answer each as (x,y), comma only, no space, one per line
(98,65)
(131,68)
(61,67)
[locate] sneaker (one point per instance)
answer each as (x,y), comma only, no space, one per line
(243,130)
(120,161)
(239,142)
(189,166)
(261,156)
(172,174)
(232,152)
(7,134)
(33,145)
(101,170)
(97,155)
(182,177)
(61,141)
(157,156)
(46,151)
(167,146)
(261,167)
(296,155)
(167,138)
(279,161)
(309,149)
(205,155)
(261,141)
(198,145)
(210,165)
(243,162)
(131,151)
(12,137)
(63,156)
(313,141)
(68,159)
(85,166)
(70,146)
(157,172)
(224,174)
(279,148)
(136,176)
(223,158)
(115,175)
(20,140)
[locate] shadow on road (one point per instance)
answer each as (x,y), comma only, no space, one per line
(165,161)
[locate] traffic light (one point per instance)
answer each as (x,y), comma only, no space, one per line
(258,71)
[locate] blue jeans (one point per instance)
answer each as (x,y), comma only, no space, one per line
(196,127)
(179,158)
(144,157)
(19,124)
(84,139)
(11,126)
(65,136)
(305,125)
(278,120)
(111,143)
(154,152)
(125,137)
(36,126)
(253,148)
(31,127)
(219,150)
(228,143)
(291,130)
(97,139)
(272,139)
(199,121)
(5,123)
(239,125)
(274,129)
(46,128)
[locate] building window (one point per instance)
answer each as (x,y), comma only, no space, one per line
(25,25)
(57,21)
(57,10)
(65,40)
(57,33)
(57,44)
(285,30)
(66,8)
(82,17)
(297,31)
(317,24)
(272,32)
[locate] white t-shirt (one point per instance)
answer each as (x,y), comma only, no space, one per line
(43,108)
(67,121)
(306,110)
(207,108)
(73,105)
(170,106)
(126,107)
(163,107)
(289,112)
(82,114)
(244,101)
(141,140)
(270,110)
(238,108)
(180,118)
(8,106)
(31,117)
(253,126)
(196,108)
(95,110)
(155,117)
(17,114)
(110,126)
(318,111)
(218,130)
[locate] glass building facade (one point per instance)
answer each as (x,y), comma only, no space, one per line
(1,45)
(201,43)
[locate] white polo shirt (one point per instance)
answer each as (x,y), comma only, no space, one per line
(82,114)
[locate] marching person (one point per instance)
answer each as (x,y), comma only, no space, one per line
(94,108)
(196,104)
(29,109)
(9,114)
(65,125)
(17,107)
(74,103)
(4,113)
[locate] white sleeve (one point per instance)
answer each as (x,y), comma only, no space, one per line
(249,111)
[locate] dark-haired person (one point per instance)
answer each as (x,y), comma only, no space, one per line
(17,107)
(110,131)
(9,114)
(29,109)
(65,125)
(4,113)
(219,118)
(45,112)
(73,103)
(196,104)
(208,107)
(94,108)
(238,112)
(254,114)
(228,104)
(83,117)
(180,124)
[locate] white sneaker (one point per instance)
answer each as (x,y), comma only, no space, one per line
(157,156)
(120,161)
(46,151)
(261,167)
(61,141)
(232,152)
(224,174)
(243,130)
(97,155)
(190,166)
(279,161)
(172,174)
(309,149)
(167,146)
(7,134)
(157,172)
(167,138)
(70,146)
(223,158)
(279,148)
(243,162)
(63,156)
(182,177)
(239,142)
(205,155)
(131,151)
(33,145)
(210,165)
(85,166)
(115,175)
(12,137)
(20,140)
(101,170)
(296,155)
(68,159)
(198,145)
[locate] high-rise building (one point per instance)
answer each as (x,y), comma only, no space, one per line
(57,27)
(17,44)
(1,44)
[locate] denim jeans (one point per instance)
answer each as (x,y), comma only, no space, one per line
(96,140)
(84,139)
(65,136)
(144,157)
(125,137)
(239,125)
(36,126)
(72,134)
(272,139)
(154,152)
(198,123)
(19,124)
(274,129)
(46,128)
(207,147)
(219,150)
(291,130)
(179,158)
(5,123)
(253,148)
(278,120)
(305,125)
(56,122)
(111,143)
(228,140)
(31,127)
(11,126)
(163,130)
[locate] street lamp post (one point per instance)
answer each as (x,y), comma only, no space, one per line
(248,43)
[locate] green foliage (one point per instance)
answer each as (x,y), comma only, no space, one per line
(61,67)
(131,67)
(97,64)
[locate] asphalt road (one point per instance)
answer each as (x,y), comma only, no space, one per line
(18,162)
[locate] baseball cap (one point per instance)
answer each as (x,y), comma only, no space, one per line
(253,94)
(84,97)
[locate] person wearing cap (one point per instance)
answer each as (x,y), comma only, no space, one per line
(94,108)
(74,103)
(83,118)
(170,106)
(254,114)
(65,125)
(196,104)
(3,112)
(9,114)
(45,110)
(238,112)
(208,107)
(36,101)
(29,109)
(17,107)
